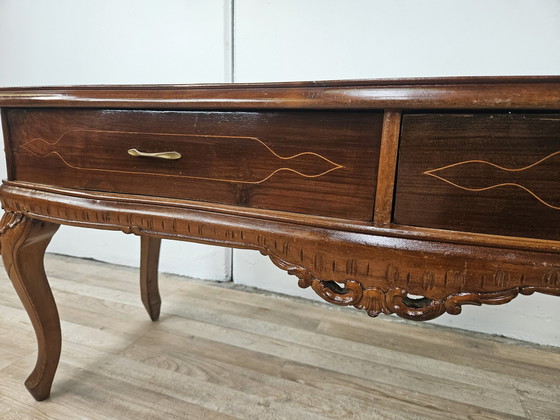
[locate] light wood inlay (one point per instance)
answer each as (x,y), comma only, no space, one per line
(474,165)
(43,148)
(322,163)
(420,249)
(487,172)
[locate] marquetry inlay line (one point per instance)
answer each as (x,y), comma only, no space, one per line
(28,146)
(431,172)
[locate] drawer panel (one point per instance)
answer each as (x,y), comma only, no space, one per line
(321,163)
(495,173)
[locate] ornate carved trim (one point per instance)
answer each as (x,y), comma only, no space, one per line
(376,273)
(10,219)
(397,301)
(305,277)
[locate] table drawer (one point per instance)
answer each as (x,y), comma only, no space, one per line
(496,173)
(321,163)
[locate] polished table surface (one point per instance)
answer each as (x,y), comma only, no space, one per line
(410,196)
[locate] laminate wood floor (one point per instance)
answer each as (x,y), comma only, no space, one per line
(224,352)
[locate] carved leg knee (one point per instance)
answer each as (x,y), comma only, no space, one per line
(24,242)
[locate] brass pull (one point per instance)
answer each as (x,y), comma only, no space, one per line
(158,155)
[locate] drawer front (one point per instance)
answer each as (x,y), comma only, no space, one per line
(321,163)
(486,173)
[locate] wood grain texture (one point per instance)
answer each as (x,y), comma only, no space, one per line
(321,163)
(412,93)
(23,243)
(245,355)
(374,273)
(383,214)
(485,173)
(342,225)
(72,166)
(149,263)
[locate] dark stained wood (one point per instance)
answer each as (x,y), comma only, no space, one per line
(341,225)
(149,262)
(496,173)
(322,163)
(426,250)
(377,273)
(24,242)
(427,93)
(6,133)
(383,214)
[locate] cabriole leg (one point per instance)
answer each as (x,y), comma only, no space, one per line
(24,242)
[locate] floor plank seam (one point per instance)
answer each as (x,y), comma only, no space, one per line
(258,355)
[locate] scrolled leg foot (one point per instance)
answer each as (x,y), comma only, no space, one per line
(24,242)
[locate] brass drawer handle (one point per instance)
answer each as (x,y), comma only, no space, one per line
(158,155)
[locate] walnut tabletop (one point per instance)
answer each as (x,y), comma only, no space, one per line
(409,196)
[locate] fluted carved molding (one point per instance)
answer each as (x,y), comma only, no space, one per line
(374,273)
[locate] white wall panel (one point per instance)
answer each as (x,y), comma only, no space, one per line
(280,40)
(330,39)
(67,42)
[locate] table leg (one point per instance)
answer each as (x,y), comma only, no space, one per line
(24,242)
(149,261)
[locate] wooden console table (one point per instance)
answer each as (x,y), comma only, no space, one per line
(411,197)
